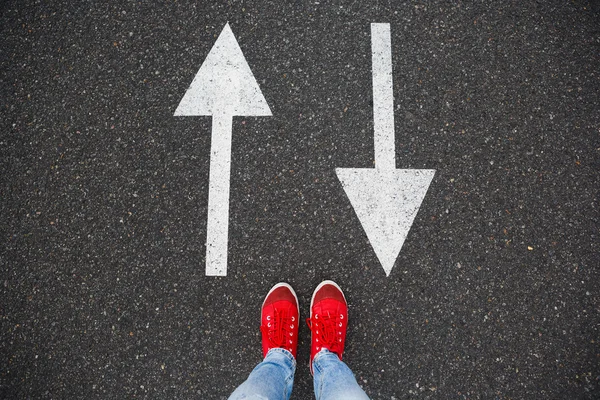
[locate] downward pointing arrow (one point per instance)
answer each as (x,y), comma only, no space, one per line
(223,87)
(385,199)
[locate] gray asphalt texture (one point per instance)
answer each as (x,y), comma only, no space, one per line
(495,294)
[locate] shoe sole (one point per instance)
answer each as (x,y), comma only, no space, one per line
(277,286)
(312,300)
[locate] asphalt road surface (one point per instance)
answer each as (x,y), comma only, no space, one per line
(104,194)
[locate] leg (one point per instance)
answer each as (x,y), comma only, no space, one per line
(271,379)
(328,322)
(333,379)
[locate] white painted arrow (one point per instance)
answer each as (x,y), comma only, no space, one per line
(386,199)
(223,87)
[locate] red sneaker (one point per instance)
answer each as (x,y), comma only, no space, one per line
(328,320)
(279,319)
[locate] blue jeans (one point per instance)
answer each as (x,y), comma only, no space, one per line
(273,378)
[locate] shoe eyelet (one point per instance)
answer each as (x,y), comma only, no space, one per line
(317,340)
(341,316)
(268,317)
(292,326)
(293,319)
(290,343)
(292,334)
(316,316)
(340,324)
(269,325)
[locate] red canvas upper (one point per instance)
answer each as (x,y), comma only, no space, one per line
(328,321)
(279,320)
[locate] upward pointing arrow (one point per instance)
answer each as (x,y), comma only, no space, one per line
(385,199)
(223,87)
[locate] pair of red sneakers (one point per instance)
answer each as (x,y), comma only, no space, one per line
(328,319)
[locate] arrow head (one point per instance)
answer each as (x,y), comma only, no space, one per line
(224,84)
(386,203)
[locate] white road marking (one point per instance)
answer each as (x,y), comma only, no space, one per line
(385,199)
(223,87)
(217,225)
(383,97)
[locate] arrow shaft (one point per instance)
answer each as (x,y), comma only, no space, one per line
(218,196)
(383,97)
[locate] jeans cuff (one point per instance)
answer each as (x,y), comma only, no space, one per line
(279,352)
(323,352)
